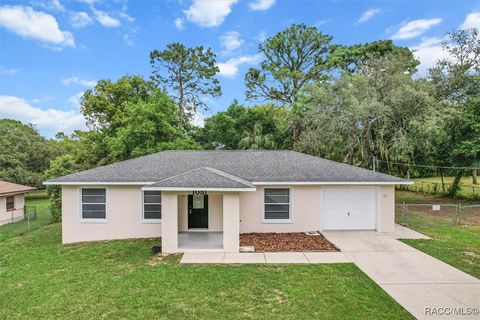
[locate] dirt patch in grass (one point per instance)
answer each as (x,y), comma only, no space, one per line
(293,241)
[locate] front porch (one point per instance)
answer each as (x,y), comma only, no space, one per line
(221,232)
(201,210)
(204,241)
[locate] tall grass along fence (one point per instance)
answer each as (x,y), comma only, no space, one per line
(437,188)
(437,215)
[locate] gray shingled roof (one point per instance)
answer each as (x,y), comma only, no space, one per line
(204,177)
(249,165)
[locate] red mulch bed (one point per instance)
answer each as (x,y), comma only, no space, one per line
(293,241)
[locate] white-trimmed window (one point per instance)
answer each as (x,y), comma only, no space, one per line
(94,203)
(10,203)
(152,205)
(277,204)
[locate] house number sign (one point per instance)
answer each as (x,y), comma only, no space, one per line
(200,192)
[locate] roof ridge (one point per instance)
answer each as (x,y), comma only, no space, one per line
(228,176)
(212,170)
(179,175)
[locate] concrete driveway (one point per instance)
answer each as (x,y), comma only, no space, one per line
(427,287)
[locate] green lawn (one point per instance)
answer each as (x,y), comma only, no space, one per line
(458,246)
(120,279)
(43,218)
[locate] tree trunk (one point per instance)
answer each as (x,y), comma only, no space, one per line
(474,176)
(452,191)
(296,130)
(443,183)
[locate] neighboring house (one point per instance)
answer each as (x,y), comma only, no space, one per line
(203,200)
(12,201)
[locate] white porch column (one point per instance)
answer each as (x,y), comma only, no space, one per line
(231,222)
(169,222)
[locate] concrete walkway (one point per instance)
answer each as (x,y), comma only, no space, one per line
(267,257)
(419,282)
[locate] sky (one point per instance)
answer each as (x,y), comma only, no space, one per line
(53,50)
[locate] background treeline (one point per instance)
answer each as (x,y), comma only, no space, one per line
(345,103)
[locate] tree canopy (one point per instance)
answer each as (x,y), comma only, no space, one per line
(227,128)
(189,73)
(293,58)
(24,154)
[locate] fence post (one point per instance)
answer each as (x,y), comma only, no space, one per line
(458,213)
(28,221)
(404,214)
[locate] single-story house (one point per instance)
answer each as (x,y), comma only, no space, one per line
(12,201)
(203,200)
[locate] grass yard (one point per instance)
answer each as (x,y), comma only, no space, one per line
(44,217)
(41,278)
(457,245)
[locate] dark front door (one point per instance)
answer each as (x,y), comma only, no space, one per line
(197,211)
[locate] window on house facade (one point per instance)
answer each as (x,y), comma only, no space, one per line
(152,205)
(277,204)
(10,203)
(94,203)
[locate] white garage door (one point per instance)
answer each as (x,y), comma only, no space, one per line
(349,208)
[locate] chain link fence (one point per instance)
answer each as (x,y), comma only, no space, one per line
(27,214)
(32,216)
(437,215)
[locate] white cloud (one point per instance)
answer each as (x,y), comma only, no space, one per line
(320,23)
(428,52)
(198,120)
(260,5)
(231,41)
(89,2)
(105,19)
(52,5)
(179,24)
(37,25)
(128,40)
(367,15)
(50,121)
(80,19)
(9,71)
(126,16)
(79,81)
(471,21)
(229,69)
(57,5)
(209,13)
(262,36)
(415,28)
(76,100)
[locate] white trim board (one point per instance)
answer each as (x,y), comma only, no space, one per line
(269,183)
(197,189)
(298,183)
(47,183)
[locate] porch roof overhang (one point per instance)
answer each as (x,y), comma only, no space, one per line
(202,179)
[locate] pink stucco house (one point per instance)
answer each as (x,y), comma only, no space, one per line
(12,201)
(203,200)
